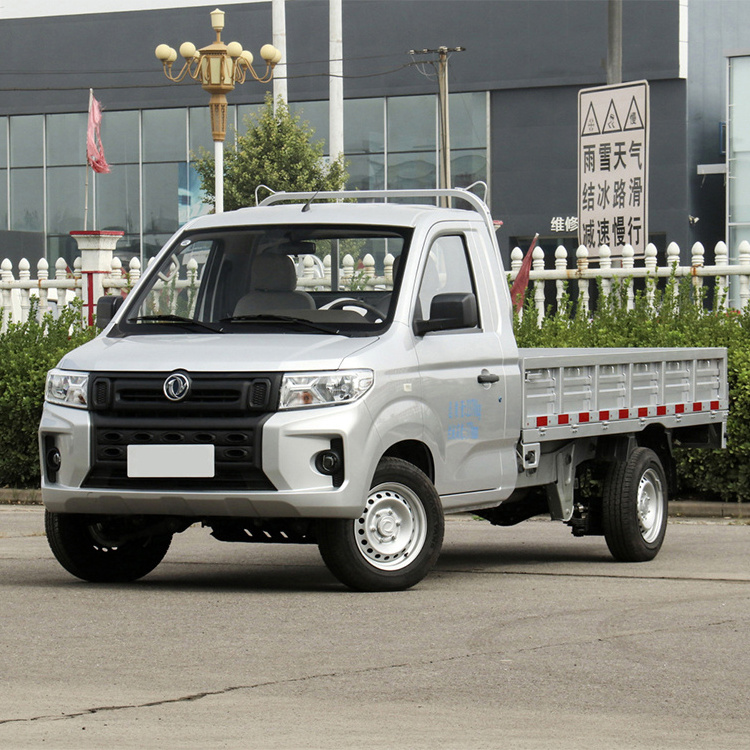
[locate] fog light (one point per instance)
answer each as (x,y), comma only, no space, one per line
(328,462)
(54,461)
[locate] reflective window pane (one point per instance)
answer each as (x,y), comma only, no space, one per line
(468,166)
(164,135)
(3,142)
(366,172)
(468,117)
(160,198)
(415,170)
(26,142)
(117,196)
(66,139)
(26,200)
(120,139)
(65,200)
(412,123)
(200,131)
(364,126)
(316,115)
(3,199)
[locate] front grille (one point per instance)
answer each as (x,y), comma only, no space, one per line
(208,392)
(226,411)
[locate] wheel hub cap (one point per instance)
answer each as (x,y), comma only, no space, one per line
(650,505)
(392,528)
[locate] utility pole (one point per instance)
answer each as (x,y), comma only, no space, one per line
(444,180)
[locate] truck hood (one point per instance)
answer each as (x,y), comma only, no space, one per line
(214,353)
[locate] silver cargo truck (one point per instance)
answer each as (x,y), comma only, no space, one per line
(249,385)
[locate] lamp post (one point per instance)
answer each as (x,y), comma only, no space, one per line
(217,67)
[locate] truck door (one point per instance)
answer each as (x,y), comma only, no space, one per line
(464,384)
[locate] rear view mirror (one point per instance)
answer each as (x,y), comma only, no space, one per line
(106,307)
(448,312)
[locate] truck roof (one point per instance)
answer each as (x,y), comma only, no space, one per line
(387,214)
(347,206)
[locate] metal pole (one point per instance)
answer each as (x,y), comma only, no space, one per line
(278,21)
(445,143)
(614,42)
(219,176)
(336,80)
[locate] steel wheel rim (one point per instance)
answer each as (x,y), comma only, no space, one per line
(392,529)
(650,505)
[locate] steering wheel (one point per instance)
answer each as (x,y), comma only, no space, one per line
(371,312)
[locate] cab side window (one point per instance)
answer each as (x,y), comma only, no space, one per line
(447,271)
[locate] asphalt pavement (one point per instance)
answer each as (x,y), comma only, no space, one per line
(524,637)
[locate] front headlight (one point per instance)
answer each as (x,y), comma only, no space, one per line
(324,388)
(67,388)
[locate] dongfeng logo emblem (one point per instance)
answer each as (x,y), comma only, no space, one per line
(176,386)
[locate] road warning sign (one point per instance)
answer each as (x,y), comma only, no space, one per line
(613,167)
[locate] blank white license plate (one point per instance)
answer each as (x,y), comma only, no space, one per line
(153,461)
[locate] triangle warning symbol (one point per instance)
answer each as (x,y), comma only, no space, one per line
(634,121)
(612,121)
(591,124)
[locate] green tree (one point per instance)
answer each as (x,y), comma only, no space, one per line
(277,150)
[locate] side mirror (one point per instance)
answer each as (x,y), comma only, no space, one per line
(449,311)
(106,307)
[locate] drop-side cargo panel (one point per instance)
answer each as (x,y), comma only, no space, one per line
(585,392)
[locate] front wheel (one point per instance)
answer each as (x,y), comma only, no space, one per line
(103,550)
(635,507)
(396,540)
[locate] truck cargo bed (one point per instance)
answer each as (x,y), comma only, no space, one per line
(585,392)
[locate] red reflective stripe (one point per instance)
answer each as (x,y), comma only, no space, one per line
(698,406)
(679,408)
(643,411)
(604,415)
(624,413)
(583,416)
(563,419)
(715,405)
(661,411)
(541,421)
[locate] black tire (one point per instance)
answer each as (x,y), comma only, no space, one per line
(635,507)
(79,544)
(400,549)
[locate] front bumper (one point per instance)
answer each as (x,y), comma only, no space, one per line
(290,443)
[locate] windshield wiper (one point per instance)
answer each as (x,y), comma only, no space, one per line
(179,319)
(272,318)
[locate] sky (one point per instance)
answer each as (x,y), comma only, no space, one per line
(33,8)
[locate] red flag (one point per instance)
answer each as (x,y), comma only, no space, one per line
(94,148)
(518,290)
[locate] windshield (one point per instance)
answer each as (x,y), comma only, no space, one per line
(304,278)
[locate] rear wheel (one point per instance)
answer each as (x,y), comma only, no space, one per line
(99,549)
(635,507)
(396,540)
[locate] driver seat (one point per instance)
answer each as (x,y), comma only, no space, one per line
(273,282)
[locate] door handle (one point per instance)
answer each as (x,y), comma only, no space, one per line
(487,377)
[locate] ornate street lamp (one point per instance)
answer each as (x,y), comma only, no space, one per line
(217,67)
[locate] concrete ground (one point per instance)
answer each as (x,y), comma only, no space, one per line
(521,638)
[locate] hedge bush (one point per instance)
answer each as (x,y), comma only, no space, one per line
(676,315)
(27,351)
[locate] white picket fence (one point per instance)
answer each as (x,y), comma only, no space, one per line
(584,273)
(555,267)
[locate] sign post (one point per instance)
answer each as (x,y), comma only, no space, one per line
(613,142)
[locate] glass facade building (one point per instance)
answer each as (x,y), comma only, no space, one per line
(152,189)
